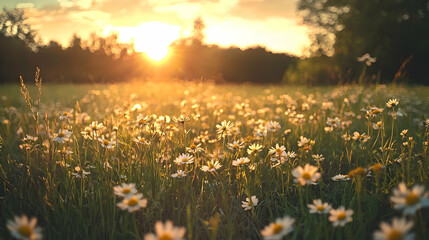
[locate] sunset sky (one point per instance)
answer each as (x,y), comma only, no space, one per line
(242,23)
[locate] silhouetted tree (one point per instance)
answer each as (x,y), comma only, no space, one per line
(13,24)
(17,42)
(76,41)
(198,34)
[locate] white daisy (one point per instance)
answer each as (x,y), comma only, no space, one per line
(392,103)
(211,166)
(278,229)
(166,231)
(340,216)
(62,136)
(109,144)
(249,203)
(24,228)
(410,200)
(141,140)
(184,158)
(306,175)
(254,148)
(240,161)
(236,145)
(397,231)
(179,174)
(278,151)
(125,190)
(319,207)
(224,128)
(273,126)
(80,173)
(340,177)
(318,157)
(133,203)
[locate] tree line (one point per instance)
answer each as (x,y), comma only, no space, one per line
(101,59)
(394,33)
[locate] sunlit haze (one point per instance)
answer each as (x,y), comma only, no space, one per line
(151,38)
(153,25)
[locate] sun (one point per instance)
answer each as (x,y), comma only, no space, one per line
(157,53)
(154,39)
(150,38)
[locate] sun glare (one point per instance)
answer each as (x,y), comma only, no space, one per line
(158,53)
(150,38)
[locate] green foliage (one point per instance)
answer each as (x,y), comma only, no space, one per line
(313,71)
(13,25)
(392,31)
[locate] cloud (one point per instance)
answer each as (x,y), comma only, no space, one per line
(263,9)
(61,23)
(82,4)
(193,9)
(182,10)
(25,5)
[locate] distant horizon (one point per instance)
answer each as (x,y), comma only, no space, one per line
(241,23)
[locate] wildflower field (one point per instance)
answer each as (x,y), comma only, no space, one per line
(202,161)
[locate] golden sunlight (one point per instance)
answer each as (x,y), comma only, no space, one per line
(150,38)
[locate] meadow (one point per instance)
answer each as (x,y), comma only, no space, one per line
(188,160)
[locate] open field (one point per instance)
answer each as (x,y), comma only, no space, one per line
(196,152)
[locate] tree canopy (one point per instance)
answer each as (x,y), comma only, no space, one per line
(394,31)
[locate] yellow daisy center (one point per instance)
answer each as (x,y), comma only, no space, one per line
(394,235)
(279,151)
(341,216)
(126,190)
(277,228)
(165,236)
(133,201)
(320,208)
(306,176)
(210,165)
(185,159)
(61,134)
(412,199)
(193,146)
(106,142)
(25,231)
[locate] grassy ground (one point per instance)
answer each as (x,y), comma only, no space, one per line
(43,177)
